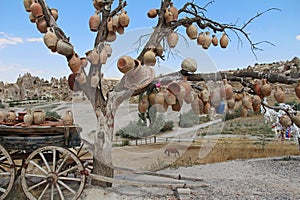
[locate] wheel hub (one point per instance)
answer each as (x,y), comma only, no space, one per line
(52,178)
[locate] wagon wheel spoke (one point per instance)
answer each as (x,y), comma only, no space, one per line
(45,161)
(7,173)
(39,167)
(67,187)
(52,192)
(36,185)
(54,160)
(44,191)
(61,164)
(35,176)
(60,192)
(69,179)
(68,170)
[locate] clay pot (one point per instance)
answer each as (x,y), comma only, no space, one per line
(189,64)
(41,24)
(215,97)
(64,48)
(152,13)
(95,80)
(125,63)
(84,62)
(54,13)
(204,95)
(50,39)
(230,104)
(224,41)
(256,101)
(297,89)
(256,88)
(151,98)
(244,112)
(207,40)
(246,101)
(11,116)
(68,119)
(170,98)
(207,108)
(39,117)
(120,30)
(124,19)
(197,105)
(256,108)
(28,118)
(228,90)
(192,32)
(159,50)
(36,9)
(81,78)
(27,4)
(177,106)
(214,40)
(103,57)
(265,89)
(97,5)
(160,97)
(143,104)
(108,49)
(110,26)
(3,116)
(32,18)
(285,121)
(279,94)
(111,37)
(115,22)
(174,87)
(296,119)
(71,83)
(75,63)
(93,56)
(168,16)
(172,39)
(94,22)
(200,38)
(21,116)
(149,58)
(174,11)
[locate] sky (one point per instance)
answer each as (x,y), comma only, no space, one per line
(22,49)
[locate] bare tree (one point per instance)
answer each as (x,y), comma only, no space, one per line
(169,19)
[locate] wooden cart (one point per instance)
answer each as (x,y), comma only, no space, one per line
(43,157)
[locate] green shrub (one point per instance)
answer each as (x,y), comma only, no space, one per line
(53,114)
(125,142)
(188,119)
(169,125)
(236,113)
(2,105)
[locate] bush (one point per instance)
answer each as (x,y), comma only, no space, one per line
(236,113)
(53,114)
(169,125)
(188,119)
(2,105)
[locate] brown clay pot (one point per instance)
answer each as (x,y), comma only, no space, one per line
(296,119)
(116,22)
(151,98)
(149,58)
(143,104)
(124,19)
(177,106)
(244,112)
(197,105)
(192,32)
(215,97)
(297,89)
(68,119)
(27,4)
(159,50)
(214,40)
(279,94)
(174,11)
(94,22)
(93,56)
(103,57)
(54,13)
(207,40)
(224,41)
(65,48)
(174,87)
(200,38)
(75,63)
(170,98)
(228,90)
(204,95)
(110,26)
(111,36)
(207,108)
(36,9)
(285,121)
(28,118)
(50,39)
(256,88)
(172,39)
(97,5)
(152,13)
(41,24)
(256,101)
(39,117)
(265,89)
(108,49)
(32,18)
(230,104)
(125,63)
(84,62)
(168,16)
(120,30)
(11,116)
(246,101)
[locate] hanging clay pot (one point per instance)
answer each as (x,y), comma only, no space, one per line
(297,89)
(204,95)
(28,118)
(189,65)
(125,63)
(84,62)
(54,13)
(159,50)
(124,19)
(111,36)
(172,39)
(224,41)
(174,11)
(285,121)
(75,63)
(115,22)
(244,112)
(151,98)
(108,49)
(103,56)
(207,108)
(200,38)
(110,26)
(143,104)
(228,90)
(68,119)
(41,24)
(159,97)
(39,117)
(93,56)
(149,58)
(152,13)
(279,94)
(81,78)
(265,88)
(94,22)
(230,104)
(27,4)
(95,79)
(197,105)
(174,87)
(246,101)
(170,98)
(214,40)
(256,101)
(63,47)
(188,98)
(32,18)
(168,16)
(177,106)
(207,40)
(187,87)
(36,9)
(256,88)
(120,30)
(50,39)
(97,5)
(192,32)
(256,108)
(296,119)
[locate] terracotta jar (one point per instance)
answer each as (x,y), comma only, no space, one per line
(36,9)
(285,121)
(103,57)
(111,36)
(174,87)
(124,19)
(228,90)
(39,117)
(207,108)
(110,26)
(296,119)
(116,22)
(168,16)
(246,101)
(207,40)
(11,116)
(27,4)
(214,40)
(224,41)
(244,112)
(200,38)
(197,105)
(256,101)
(174,11)
(95,80)
(152,13)
(120,30)
(230,104)
(32,18)
(125,63)
(151,98)
(98,5)
(94,22)
(143,104)
(189,65)
(256,88)
(54,13)
(149,58)
(177,106)
(75,63)
(279,94)
(41,24)
(93,56)
(3,116)
(297,89)
(65,48)
(170,98)
(68,119)
(84,62)
(204,95)
(108,49)
(159,50)
(50,39)
(172,39)
(192,32)
(265,89)
(28,118)
(81,78)
(21,116)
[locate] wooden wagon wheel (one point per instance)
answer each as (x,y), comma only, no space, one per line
(52,173)
(7,173)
